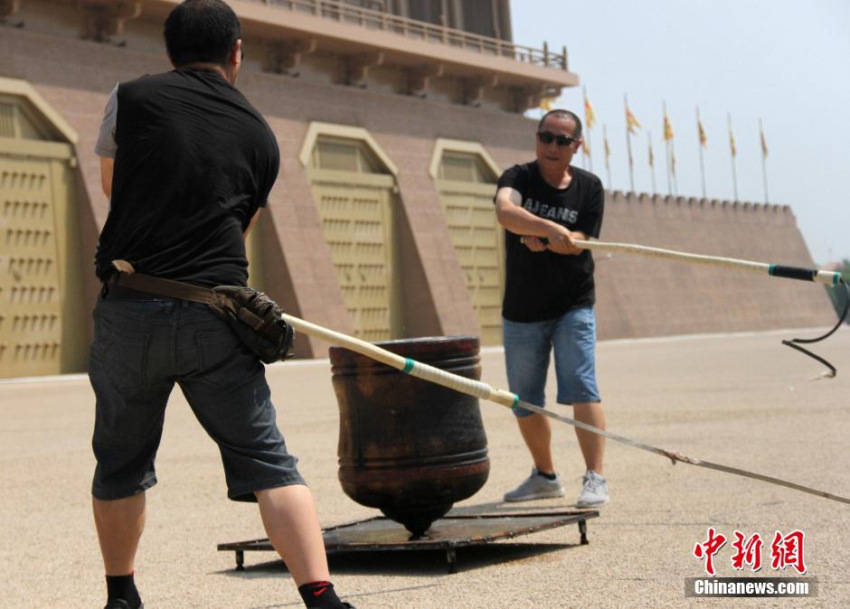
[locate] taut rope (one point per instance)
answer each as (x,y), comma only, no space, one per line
(484,391)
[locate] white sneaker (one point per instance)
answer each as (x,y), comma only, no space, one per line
(536,486)
(594,491)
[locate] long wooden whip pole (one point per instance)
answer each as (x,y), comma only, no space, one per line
(484,391)
(775,270)
(408,366)
(830,278)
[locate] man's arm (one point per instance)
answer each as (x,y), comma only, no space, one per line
(106,166)
(105,147)
(253,222)
(513,217)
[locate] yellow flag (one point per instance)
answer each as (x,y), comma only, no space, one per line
(607,148)
(703,140)
(651,156)
(585,147)
(763,144)
(631,122)
(589,116)
(673,162)
(546,103)
(732,144)
(668,129)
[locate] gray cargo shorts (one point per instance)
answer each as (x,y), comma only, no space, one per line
(141,348)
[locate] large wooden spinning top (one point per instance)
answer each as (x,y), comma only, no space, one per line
(406,446)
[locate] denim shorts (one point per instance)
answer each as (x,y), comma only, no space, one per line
(141,348)
(527,347)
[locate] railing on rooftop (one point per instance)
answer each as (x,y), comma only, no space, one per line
(344,12)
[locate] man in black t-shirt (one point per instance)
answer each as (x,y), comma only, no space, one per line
(188,163)
(545,207)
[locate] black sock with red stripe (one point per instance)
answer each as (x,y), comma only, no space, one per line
(320,595)
(123,587)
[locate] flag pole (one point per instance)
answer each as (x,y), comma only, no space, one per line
(763,160)
(734,154)
(607,156)
(701,160)
(673,161)
(629,146)
(587,127)
(667,148)
(673,168)
(651,161)
(584,148)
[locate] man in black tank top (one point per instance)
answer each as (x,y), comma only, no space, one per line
(188,164)
(545,206)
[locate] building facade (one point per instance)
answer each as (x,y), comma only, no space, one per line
(394,120)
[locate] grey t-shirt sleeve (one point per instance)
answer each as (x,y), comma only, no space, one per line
(106,145)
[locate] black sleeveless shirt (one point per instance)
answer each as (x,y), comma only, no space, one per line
(194,162)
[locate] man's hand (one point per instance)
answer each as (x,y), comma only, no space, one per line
(535,231)
(561,241)
(535,244)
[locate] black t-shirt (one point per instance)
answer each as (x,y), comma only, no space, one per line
(545,285)
(194,162)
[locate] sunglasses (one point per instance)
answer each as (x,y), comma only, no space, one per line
(547,137)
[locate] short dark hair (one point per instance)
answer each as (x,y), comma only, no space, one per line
(563,114)
(201,31)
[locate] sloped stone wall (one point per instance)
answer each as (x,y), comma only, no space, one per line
(642,296)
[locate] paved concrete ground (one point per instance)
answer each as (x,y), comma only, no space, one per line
(743,401)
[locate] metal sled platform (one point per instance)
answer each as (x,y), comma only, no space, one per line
(380,534)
